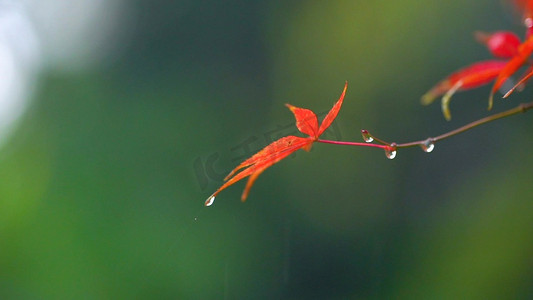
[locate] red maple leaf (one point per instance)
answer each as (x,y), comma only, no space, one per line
(470,77)
(502,44)
(524,51)
(306,122)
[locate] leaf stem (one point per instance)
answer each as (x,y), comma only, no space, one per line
(352,144)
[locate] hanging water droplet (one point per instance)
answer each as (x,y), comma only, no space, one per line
(366,136)
(390,151)
(210,201)
(428,145)
(391,154)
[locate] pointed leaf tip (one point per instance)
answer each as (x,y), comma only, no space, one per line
(332,114)
(306,120)
(520,83)
(210,200)
(491,101)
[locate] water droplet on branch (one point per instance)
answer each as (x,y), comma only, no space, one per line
(390,151)
(428,145)
(210,201)
(366,136)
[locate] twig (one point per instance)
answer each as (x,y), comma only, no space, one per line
(428,143)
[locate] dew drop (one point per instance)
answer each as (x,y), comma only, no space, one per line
(428,145)
(366,136)
(390,151)
(210,201)
(391,154)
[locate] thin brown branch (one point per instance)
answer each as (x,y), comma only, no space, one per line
(519,109)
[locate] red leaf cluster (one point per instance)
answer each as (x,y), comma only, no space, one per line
(306,122)
(501,44)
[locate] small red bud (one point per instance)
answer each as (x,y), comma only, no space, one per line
(503,44)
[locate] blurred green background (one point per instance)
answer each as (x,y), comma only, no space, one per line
(103,180)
